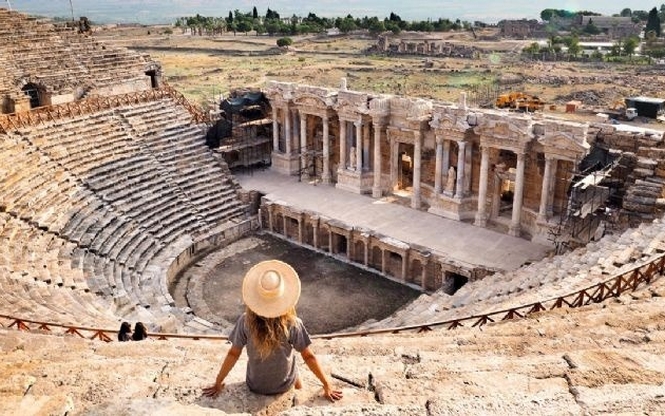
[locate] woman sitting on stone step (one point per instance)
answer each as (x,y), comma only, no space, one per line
(271,331)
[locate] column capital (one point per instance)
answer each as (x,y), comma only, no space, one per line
(439,139)
(550,157)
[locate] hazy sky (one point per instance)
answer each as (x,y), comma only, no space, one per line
(164,11)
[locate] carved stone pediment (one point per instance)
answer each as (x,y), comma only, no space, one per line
(411,109)
(352,103)
(281,90)
(379,106)
(447,123)
(564,145)
(505,133)
(313,102)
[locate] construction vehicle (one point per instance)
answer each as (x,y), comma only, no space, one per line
(619,111)
(519,101)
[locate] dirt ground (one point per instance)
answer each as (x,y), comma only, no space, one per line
(203,68)
(335,295)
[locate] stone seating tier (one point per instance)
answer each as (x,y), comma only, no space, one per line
(61,59)
(549,278)
(109,206)
(601,359)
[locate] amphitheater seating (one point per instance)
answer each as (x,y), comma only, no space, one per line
(107,195)
(593,360)
(549,278)
(61,59)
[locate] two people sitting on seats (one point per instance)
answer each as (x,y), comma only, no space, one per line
(125,334)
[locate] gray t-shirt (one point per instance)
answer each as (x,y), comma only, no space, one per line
(277,372)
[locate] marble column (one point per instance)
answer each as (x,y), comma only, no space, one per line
(438,165)
(405,264)
(415,196)
(552,188)
(330,241)
(514,228)
(288,136)
(467,172)
(545,190)
(496,196)
(446,157)
(461,162)
(301,227)
(359,146)
(366,146)
(376,187)
(275,131)
(393,164)
(315,231)
(325,176)
(342,145)
(481,215)
(303,146)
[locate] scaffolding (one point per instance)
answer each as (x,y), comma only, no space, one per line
(592,203)
(243,134)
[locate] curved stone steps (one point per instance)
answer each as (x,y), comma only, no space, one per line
(594,360)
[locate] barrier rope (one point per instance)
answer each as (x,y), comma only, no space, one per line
(41,115)
(628,281)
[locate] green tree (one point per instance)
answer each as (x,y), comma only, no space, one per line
(273,26)
(281,42)
(630,45)
(653,22)
(532,49)
(255,13)
(574,47)
(346,24)
(244,26)
(626,12)
(376,27)
(591,28)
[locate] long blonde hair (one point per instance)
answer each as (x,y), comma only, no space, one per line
(268,333)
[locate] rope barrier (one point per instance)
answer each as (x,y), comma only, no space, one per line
(95,104)
(628,281)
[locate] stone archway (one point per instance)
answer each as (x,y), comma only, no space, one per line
(35,93)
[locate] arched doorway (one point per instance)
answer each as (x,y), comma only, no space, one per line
(33,91)
(405,169)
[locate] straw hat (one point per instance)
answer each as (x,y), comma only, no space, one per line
(271,288)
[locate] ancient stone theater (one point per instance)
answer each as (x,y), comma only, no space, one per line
(112,185)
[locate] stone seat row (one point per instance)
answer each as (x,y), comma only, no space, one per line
(25,264)
(119,214)
(28,264)
(550,278)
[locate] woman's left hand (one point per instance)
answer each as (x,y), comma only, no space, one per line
(213,391)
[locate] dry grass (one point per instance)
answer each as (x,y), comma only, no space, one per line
(203,67)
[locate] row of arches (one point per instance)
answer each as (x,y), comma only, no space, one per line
(413,266)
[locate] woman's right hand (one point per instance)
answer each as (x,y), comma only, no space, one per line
(332,395)
(214,390)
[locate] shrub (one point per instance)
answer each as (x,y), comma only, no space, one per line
(281,42)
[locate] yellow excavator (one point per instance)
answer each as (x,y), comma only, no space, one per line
(519,101)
